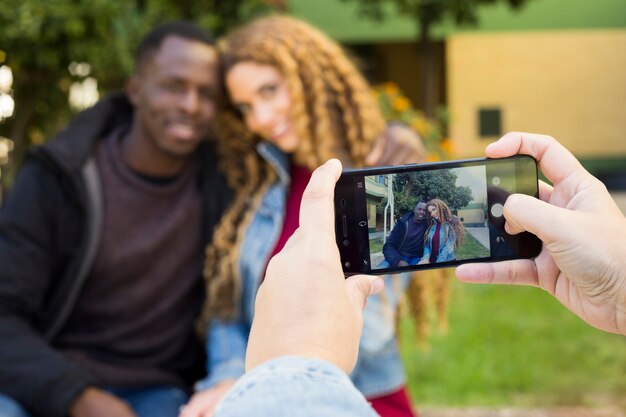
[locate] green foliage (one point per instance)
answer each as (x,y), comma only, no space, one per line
(427,13)
(42,37)
(396,106)
(441,184)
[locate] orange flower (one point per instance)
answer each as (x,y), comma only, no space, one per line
(447,146)
(401,104)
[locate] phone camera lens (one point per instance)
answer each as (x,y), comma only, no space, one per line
(346,242)
(347,264)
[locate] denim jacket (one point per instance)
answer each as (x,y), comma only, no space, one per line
(446,249)
(378,370)
(293,386)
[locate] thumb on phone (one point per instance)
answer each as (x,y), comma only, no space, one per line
(524,213)
(359,287)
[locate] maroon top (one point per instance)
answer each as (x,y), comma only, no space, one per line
(435,244)
(300,177)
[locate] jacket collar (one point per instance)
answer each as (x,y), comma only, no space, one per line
(279,160)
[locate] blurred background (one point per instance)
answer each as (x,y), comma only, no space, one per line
(461,73)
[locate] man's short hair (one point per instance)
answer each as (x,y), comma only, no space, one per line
(181,28)
(417,203)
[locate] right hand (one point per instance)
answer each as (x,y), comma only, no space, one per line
(402,262)
(94,402)
(305,306)
(583,260)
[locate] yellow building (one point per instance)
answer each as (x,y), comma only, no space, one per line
(569,84)
(555,67)
(376,192)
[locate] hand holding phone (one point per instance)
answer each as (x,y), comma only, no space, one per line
(583,258)
(411,217)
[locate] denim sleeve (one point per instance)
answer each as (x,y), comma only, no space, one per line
(294,387)
(226,350)
(427,249)
(447,253)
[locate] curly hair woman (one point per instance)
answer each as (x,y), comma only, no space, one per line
(443,236)
(295,100)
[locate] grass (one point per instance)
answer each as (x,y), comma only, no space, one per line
(514,346)
(376,245)
(471,248)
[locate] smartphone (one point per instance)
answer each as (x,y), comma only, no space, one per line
(435,215)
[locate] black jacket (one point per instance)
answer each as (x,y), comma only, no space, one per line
(396,240)
(49,230)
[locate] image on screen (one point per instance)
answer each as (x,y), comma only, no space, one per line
(427,217)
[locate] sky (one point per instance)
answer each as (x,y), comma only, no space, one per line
(474,177)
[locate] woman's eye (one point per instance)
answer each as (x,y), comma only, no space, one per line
(268,90)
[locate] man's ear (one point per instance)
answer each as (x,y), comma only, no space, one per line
(133,88)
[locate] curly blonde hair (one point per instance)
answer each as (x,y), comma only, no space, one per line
(335,116)
(445,216)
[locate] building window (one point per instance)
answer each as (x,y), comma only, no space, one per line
(489,123)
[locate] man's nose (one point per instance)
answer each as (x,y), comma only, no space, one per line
(190,101)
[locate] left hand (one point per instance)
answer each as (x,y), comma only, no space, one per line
(203,403)
(305,307)
(397,146)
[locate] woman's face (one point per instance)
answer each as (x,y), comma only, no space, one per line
(434,213)
(259,92)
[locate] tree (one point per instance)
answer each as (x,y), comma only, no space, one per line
(42,37)
(408,188)
(426,14)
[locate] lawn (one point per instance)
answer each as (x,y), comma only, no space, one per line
(376,245)
(514,346)
(471,248)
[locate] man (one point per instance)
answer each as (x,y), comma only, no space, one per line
(101,244)
(294,373)
(405,244)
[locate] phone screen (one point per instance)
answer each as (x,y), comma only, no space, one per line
(431,215)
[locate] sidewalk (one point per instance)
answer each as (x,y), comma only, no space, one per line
(481,234)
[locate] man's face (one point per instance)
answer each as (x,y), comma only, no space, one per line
(174,96)
(420,212)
